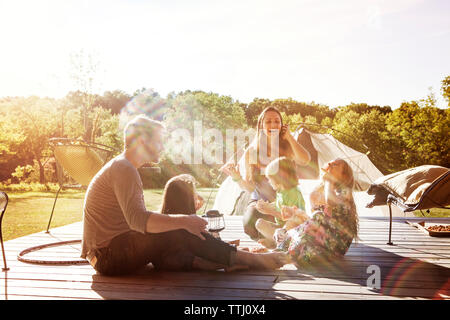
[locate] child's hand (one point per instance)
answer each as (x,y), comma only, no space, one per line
(301,215)
(287,212)
(198,202)
(262,206)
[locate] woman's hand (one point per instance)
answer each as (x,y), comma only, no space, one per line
(301,155)
(195,225)
(285,133)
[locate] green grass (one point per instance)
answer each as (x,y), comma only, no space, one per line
(434,213)
(29,212)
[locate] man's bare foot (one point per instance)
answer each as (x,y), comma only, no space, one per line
(272,260)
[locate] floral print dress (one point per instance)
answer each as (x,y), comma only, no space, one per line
(329,233)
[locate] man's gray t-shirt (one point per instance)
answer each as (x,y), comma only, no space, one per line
(114,204)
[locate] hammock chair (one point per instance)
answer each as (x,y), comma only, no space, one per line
(81,160)
(419,188)
(3,205)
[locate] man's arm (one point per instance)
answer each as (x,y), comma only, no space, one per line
(129,193)
(157,223)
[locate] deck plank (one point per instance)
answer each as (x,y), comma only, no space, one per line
(416,267)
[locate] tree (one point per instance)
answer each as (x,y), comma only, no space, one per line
(84,74)
(289,107)
(364,133)
(11,140)
(430,100)
(362,108)
(114,100)
(253,110)
(36,121)
(189,110)
(423,132)
(445,89)
(215,111)
(106,128)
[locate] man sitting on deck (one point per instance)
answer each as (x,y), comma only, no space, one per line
(120,235)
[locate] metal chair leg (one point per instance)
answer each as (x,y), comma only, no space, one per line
(53,209)
(3,250)
(5,268)
(390,224)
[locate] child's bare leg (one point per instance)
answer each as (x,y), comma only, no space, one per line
(267,229)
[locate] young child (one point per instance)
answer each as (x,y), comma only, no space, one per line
(331,230)
(289,207)
(181,197)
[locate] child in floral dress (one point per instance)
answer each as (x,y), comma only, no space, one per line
(331,230)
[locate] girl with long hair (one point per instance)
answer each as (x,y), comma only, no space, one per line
(180,197)
(331,230)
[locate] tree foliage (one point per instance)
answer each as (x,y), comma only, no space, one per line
(445,89)
(413,134)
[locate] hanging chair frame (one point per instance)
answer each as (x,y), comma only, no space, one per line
(55,142)
(392,199)
(5,198)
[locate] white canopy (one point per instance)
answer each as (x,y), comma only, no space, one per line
(329,148)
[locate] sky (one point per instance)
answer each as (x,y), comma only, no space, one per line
(380,52)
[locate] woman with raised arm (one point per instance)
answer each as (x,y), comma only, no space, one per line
(273,139)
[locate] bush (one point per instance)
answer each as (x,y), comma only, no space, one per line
(33,186)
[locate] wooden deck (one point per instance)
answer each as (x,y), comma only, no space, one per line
(416,267)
